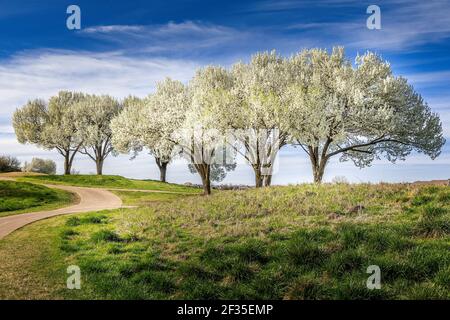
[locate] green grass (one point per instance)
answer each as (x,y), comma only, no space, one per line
(20,197)
(32,265)
(132,198)
(112,182)
(297,242)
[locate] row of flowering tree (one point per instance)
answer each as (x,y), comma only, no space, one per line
(315,100)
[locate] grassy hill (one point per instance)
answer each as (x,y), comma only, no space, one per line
(19,197)
(297,242)
(105,181)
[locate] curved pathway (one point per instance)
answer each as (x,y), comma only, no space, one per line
(91,199)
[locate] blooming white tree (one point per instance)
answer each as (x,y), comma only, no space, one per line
(164,112)
(202,143)
(125,133)
(51,126)
(257,113)
(316,100)
(149,123)
(359,113)
(93,120)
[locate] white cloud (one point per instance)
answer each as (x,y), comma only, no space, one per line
(430,78)
(43,73)
(289,5)
(441,102)
(405,24)
(167,38)
(113,28)
(445,118)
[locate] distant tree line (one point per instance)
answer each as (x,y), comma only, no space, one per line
(37,165)
(9,164)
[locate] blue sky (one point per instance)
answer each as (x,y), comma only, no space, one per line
(124,47)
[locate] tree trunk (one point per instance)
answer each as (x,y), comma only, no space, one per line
(162,166)
(204,170)
(99,165)
(206,187)
(67,164)
(258,176)
(319,170)
(318,162)
(267,180)
(68,158)
(162,171)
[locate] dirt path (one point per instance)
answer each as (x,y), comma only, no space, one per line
(91,199)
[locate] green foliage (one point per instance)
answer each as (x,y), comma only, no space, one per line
(18,197)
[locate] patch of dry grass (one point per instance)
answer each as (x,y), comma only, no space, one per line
(284,209)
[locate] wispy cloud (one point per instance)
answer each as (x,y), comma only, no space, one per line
(290,5)
(406,24)
(185,38)
(112,28)
(40,74)
(168,29)
(430,78)
(445,118)
(441,102)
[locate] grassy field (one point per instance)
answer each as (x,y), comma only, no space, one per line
(109,182)
(19,197)
(32,263)
(133,198)
(299,242)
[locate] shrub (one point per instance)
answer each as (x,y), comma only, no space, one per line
(9,164)
(40,166)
